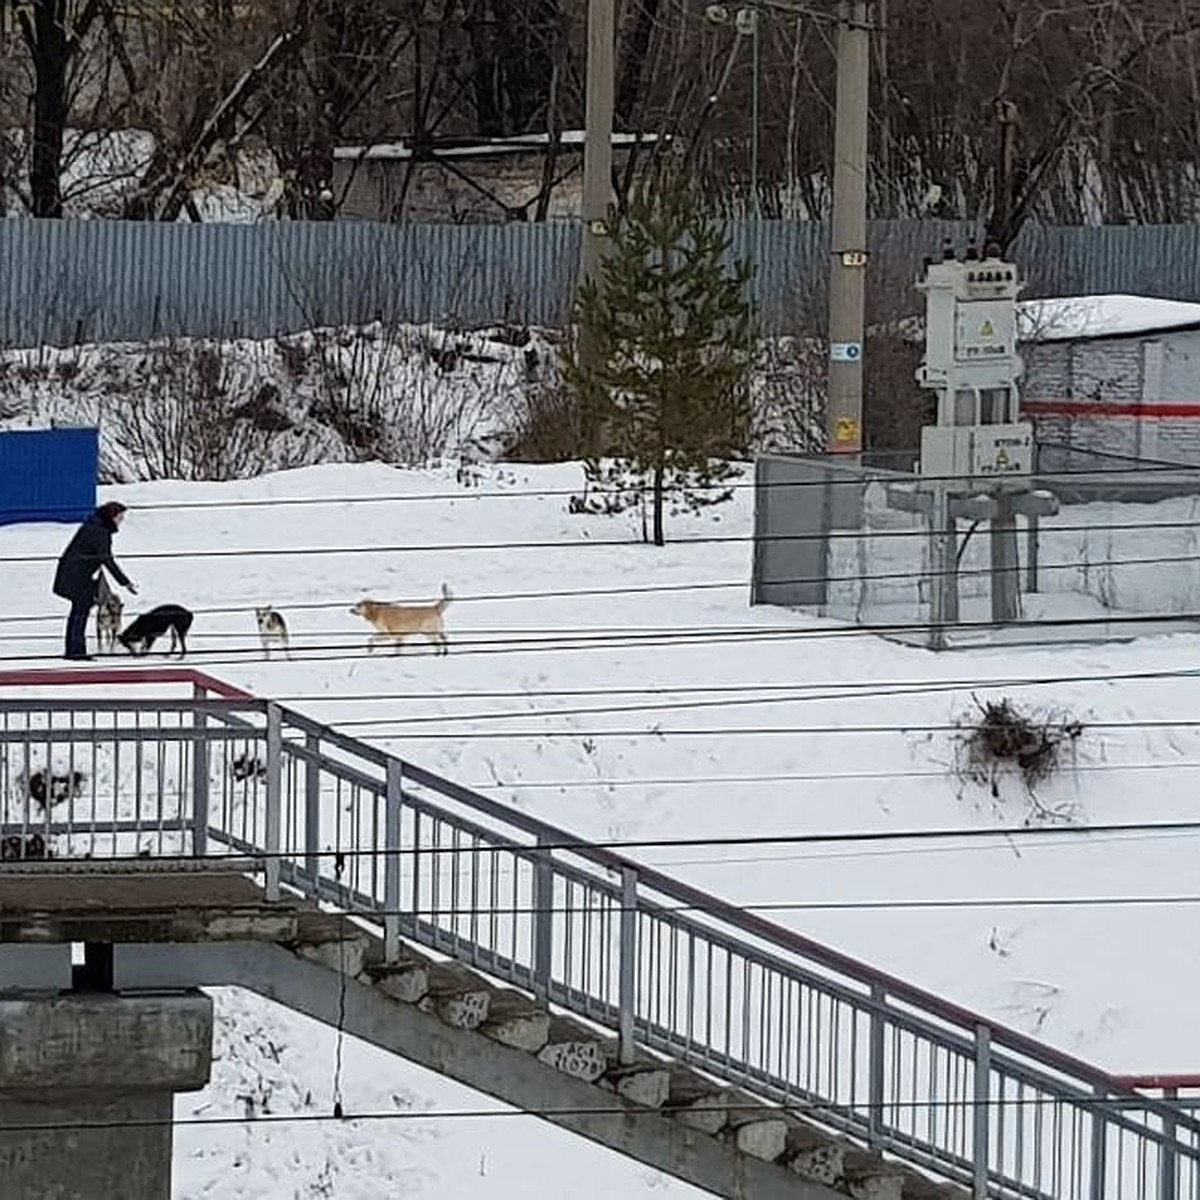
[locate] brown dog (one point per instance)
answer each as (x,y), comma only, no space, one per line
(395,622)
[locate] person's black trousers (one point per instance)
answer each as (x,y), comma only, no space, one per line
(77,629)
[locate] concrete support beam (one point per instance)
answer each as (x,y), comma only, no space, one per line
(649,1135)
(87,1082)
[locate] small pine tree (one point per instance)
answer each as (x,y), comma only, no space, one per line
(660,362)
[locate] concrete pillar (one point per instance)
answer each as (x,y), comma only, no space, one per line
(87,1082)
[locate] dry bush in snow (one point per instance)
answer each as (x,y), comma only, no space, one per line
(999,740)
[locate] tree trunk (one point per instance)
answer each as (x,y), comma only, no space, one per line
(51,50)
(630,70)
(659,473)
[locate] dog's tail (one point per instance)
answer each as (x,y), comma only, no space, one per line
(447,596)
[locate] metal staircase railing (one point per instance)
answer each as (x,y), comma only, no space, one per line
(666,967)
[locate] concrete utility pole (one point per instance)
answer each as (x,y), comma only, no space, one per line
(597,145)
(847,274)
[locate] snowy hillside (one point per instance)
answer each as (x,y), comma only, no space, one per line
(629,693)
(188,408)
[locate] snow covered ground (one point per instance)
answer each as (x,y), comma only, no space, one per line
(628,692)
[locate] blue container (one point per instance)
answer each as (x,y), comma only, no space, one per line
(48,475)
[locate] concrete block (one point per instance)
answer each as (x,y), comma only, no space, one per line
(515,1020)
(348,955)
(92,1042)
(35,968)
(88,1150)
(641,1084)
(821,1164)
(408,983)
(698,1104)
(760,1137)
(584,1060)
(886,1185)
(457,996)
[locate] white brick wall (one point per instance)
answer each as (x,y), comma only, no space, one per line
(1120,371)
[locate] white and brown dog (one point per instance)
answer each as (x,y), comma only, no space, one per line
(108,616)
(396,622)
(272,631)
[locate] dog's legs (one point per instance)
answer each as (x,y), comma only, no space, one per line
(440,641)
(182,644)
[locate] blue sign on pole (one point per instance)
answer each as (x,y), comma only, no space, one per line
(48,474)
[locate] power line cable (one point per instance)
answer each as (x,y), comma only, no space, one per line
(764,692)
(651,589)
(842,537)
(636,639)
(1119,1099)
(1000,835)
(1147,468)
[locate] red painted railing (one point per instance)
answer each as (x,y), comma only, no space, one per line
(107,676)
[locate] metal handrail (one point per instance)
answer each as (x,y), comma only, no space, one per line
(671,967)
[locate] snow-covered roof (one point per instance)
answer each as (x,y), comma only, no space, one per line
(485,147)
(1078,318)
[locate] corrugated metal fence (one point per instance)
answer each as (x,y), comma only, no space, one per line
(73,281)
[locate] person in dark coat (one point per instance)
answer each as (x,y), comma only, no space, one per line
(79,567)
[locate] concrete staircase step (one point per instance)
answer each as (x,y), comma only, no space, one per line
(577,1050)
(458,996)
(815,1154)
(516,1020)
(348,954)
(644,1083)
(756,1129)
(406,980)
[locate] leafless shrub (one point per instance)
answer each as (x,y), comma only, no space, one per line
(1000,739)
(183,420)
(547,427)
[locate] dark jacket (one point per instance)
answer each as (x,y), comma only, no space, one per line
(88,551)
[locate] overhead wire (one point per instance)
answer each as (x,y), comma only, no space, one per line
(857,578)
(1181,1103)
(1000,835)
(1145,468)
(840,536)
(521,641)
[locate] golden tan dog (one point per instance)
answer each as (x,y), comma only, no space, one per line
(395,622)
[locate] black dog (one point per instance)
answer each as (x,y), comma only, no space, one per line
(43,785)
(14,849)
(142,633)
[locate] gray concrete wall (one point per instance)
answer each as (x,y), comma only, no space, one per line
(798,503)
(86,1088)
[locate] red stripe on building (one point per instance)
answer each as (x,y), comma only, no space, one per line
(1100,408)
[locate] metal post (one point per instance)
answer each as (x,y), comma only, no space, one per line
(391,860)
(597,143)
(627,982)
(1006,566)
(1166,1182)
(755,73)
(982,1112)
(312,813)
(875,1067)
(943,561)
(543,922)
(1031,553)
(200,775)
(274,817)
(1099,1148)
(847,273)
